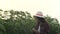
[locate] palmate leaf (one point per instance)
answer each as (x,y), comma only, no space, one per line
(2,27)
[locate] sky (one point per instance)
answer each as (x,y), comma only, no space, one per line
(50,7)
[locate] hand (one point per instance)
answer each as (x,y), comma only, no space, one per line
(35,30)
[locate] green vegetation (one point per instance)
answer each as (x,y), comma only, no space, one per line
(19,22)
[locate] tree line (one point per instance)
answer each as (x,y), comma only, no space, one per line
(20,22)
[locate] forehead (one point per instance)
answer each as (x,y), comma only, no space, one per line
(40,18)
(37,17)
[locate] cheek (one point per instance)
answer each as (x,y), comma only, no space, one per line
(36,20)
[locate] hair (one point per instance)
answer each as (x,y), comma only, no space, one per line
(44,26)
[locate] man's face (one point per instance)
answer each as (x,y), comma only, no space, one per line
(36,19)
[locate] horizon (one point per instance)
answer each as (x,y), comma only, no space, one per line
(48,7)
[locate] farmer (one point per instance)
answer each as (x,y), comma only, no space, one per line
(41,26)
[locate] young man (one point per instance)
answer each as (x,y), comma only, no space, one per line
(42,26)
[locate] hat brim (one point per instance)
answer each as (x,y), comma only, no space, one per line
(39,16)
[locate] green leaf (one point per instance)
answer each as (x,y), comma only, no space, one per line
(2,27)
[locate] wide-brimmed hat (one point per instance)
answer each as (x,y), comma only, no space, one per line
(39,14)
